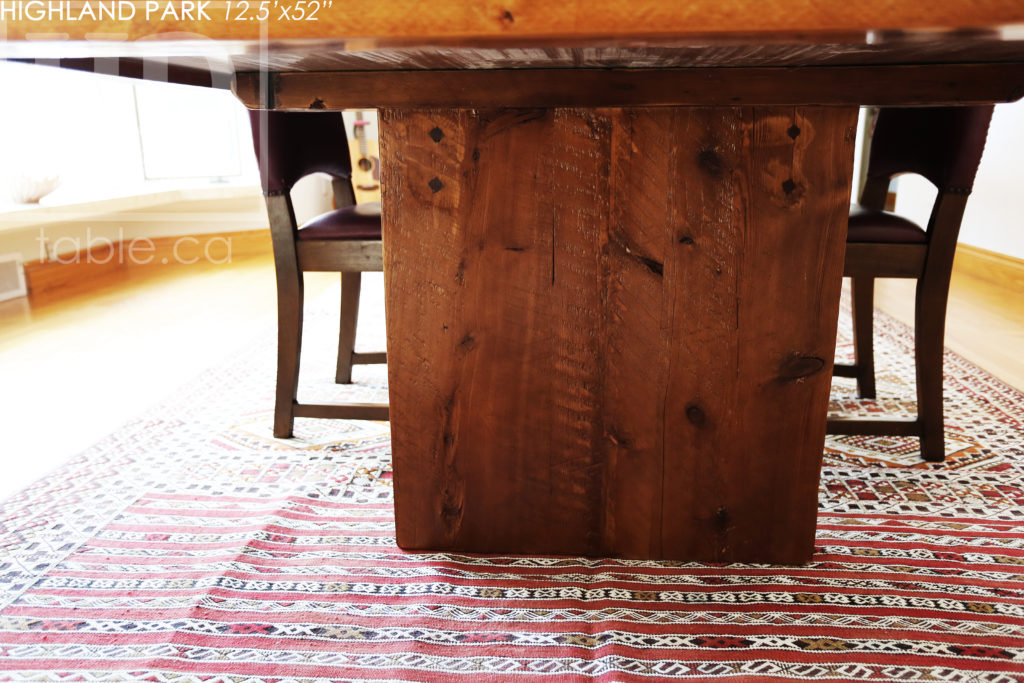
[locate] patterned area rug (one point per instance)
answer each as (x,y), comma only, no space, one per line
(193,546)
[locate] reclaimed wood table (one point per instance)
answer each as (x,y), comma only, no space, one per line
(613,234)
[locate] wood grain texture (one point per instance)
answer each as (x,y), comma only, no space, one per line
(361,256)
(833,85)
(521,19)
(732,51)
(213,63)
(611,331)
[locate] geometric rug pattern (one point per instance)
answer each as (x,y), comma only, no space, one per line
(193,546)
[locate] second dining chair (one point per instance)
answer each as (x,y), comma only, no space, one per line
(290,146)
(944,145)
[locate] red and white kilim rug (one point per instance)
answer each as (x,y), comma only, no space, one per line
(192,546)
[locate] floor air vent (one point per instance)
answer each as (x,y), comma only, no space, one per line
(12,277)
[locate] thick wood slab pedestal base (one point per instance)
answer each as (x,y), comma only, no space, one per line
(611,332)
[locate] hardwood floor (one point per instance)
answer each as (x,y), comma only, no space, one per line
(984,322)
(76,368)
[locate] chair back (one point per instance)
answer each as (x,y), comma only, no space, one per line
(292,144)
(943,144)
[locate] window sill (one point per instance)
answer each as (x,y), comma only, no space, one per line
(60,207)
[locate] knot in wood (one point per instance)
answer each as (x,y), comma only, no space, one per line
(695,414)
(798,367)
(451,511)
(468,343)
(793,193)
(710,162)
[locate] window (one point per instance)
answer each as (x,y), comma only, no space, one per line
(187,132)
(106,136)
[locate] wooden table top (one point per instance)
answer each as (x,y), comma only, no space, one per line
(228,47)
(381,48)
(514,21)
(338,35)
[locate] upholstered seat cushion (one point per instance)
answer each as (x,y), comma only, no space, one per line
(359,222)
(881,226)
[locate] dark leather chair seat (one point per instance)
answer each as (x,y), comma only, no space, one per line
(357,222)
(867,225)
(290,145)
(943,145)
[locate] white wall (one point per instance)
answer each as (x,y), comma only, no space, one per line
(995,212)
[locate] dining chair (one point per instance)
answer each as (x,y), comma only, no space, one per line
(944,145)
(290,146)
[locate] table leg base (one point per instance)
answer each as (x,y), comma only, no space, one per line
(611,332)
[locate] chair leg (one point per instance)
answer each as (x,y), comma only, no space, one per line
(289,348)
(929,332)
(863,334)
(351,284)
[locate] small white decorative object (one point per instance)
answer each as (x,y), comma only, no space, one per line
(29,188)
